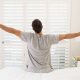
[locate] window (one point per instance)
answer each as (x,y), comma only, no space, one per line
(55,16)
(13,16)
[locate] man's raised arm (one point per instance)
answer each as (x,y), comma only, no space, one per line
(68,36)
(10,30)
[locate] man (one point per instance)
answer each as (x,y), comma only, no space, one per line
(39,46)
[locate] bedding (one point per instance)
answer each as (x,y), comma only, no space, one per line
(13,73)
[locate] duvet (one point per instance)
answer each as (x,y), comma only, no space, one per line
(12,73)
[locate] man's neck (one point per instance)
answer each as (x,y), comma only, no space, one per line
(40,33)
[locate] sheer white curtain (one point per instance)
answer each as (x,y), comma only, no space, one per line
(13,16)
(1,45)
(55,16)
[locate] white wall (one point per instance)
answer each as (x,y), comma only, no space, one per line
(75,27)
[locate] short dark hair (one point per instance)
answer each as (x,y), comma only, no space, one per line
(37,25)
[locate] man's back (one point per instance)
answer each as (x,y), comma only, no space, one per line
(39,51)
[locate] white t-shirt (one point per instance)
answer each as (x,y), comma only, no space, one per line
(39,51)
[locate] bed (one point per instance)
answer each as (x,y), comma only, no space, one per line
(13,73)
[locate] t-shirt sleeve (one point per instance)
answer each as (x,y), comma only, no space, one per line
(54,38)
(25,36)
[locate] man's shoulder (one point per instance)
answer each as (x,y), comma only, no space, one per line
(27,33)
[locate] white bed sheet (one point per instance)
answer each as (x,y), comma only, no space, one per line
(11,73)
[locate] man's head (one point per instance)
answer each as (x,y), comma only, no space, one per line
(37,25)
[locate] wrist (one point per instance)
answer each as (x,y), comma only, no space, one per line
(0,25)
(79,33)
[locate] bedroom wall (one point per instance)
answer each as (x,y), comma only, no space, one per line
(75,27)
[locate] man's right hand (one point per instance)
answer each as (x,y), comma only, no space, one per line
(11,30)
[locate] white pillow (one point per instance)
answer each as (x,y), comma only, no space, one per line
(78,64)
